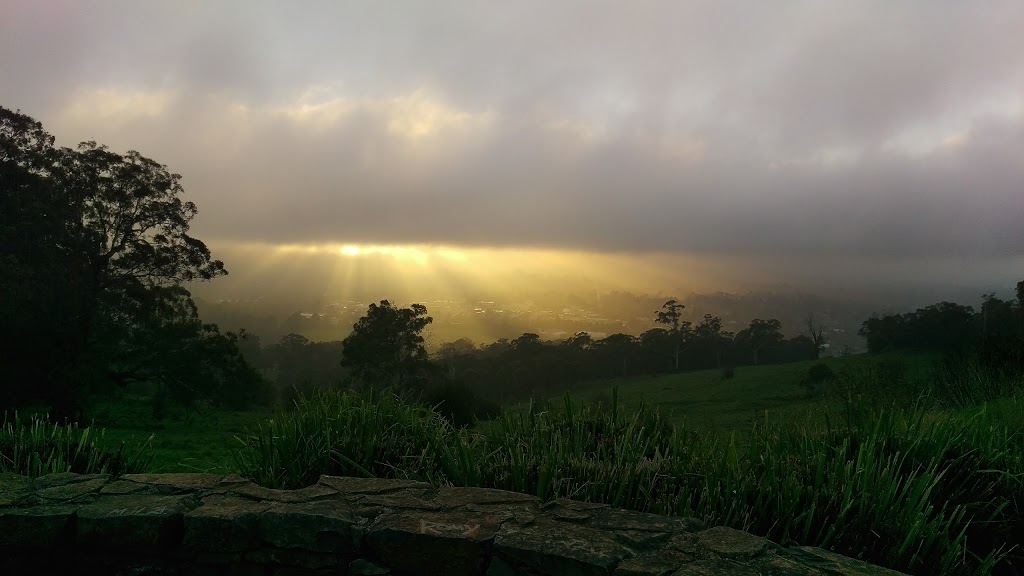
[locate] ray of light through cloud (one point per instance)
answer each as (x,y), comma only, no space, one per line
(646,146)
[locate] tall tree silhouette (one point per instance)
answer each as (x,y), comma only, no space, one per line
(708,336)
(816,334)
(88,234)
(759,335)
(669,315)
(385,347)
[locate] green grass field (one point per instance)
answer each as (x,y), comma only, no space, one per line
(885,463)
(703,400)
(706,401)
(204,443)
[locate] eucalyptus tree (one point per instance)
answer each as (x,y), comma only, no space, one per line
(386,348)
(678,331)
(759,335)
(91,241)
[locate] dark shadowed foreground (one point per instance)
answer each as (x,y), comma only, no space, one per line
(211,524)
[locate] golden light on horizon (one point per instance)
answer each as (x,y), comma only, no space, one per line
(311,275)
(459,270)
(412,254)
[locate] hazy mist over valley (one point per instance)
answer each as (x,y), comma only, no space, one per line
(490,293)
(460,152)
(688,286)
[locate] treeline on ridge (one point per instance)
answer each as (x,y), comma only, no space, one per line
(993,335)
(386,349)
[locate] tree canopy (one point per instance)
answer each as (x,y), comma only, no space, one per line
(760,334)
(945,327)
(669,315)
(385,347)
(95,245)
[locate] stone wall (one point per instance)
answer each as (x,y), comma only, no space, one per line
(210,524)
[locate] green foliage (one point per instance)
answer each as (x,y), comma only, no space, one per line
(959,384)
(920,491)
(669,315)
(36,446)
(880,381)
(459,405)
(944,327)
(820,373)
(385,347)
(302,365)
(528,367)
(165,342)
(36,309)
(372,434)
(596,454)
(817,375)
(760,334)
(97,244)
(943,384)
(203,442)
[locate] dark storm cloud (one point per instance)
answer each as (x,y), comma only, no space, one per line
(820,132)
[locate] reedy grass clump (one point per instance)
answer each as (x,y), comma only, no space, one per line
(589,453)
(373,434)
(901,487)
(965,383)
(35,447)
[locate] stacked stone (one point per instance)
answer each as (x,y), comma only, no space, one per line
(214,524)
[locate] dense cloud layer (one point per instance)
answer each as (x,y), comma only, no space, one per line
(823,135)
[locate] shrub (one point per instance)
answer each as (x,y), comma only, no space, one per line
(820,373)
(817,375)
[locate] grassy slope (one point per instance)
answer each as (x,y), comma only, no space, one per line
(702,399)
(204,444)
(706,401)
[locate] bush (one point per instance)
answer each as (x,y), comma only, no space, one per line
(817,375)
(728,372)
(36,447)
(820,373)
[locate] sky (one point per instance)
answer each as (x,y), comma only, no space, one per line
(716,145)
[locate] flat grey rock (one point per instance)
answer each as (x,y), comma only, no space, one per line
(177,524)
